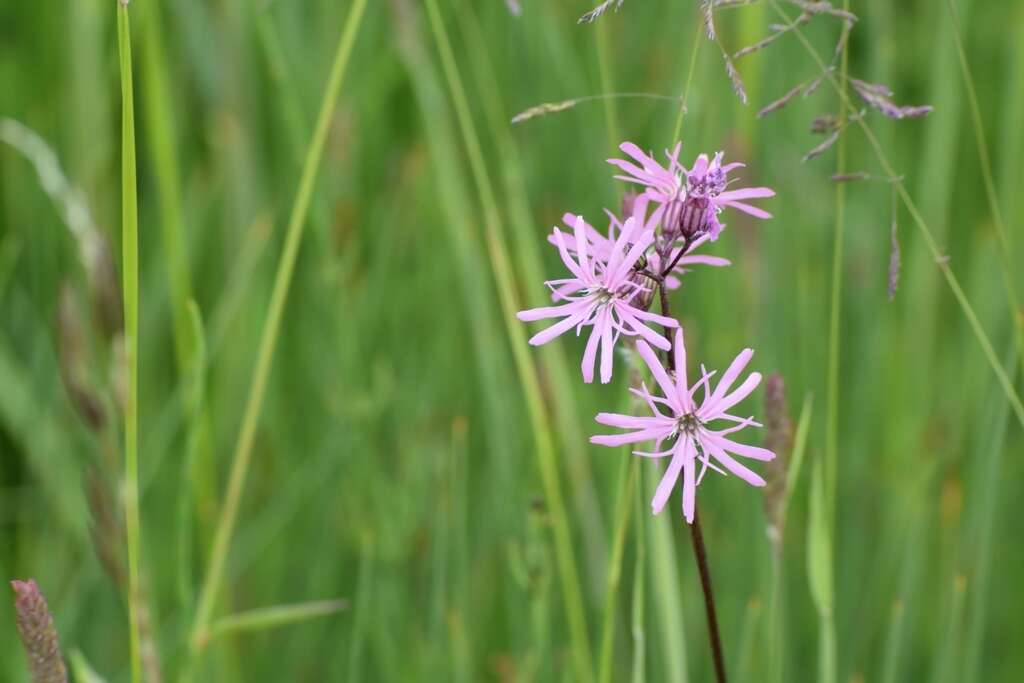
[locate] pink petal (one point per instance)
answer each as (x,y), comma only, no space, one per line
(639,155)
(747,208)
(746,193)
(581,246)
(689,485)
(632,422)
(680,358)
(737,468)
(734,370)
(652,337)
(660,376)
(563,251)
(631,437)
(668,481)
(749,384)
(704,260)
(544,336)
(607,351)
(753,452)
(589,354)
(549,311)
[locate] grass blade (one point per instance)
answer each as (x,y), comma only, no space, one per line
(273,617)
(130,288)
(268,339)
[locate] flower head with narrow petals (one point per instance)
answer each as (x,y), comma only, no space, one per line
(684,422)
(600,293)
(688,201)
(601,246)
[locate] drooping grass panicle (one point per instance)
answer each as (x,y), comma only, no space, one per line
(878,97)
(593,14)
(545,108)
(38,634)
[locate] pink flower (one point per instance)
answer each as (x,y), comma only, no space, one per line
(601,246)
(689,201)
(680,419)
(600,293)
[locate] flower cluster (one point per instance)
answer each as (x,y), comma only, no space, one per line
(610,287)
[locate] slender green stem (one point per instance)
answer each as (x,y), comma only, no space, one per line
(130,287)
(627,477)
(607,85)
(827,659)
(497,252)
(271,328)
(941,260)
(694,51)
(981,142)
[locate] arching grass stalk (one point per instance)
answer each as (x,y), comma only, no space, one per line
(268,339)
(565,557)
(130,291)
(1005,246)
(941,261)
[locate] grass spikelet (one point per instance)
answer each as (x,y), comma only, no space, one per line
(593,14)
(850,177)
(779,31)
(546,108)
(822,147)
(779,103)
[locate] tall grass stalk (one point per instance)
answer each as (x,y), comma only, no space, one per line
(981,142)
(941,261)
(271,328)
(827,669)
(627,476)
(528,257)
(130,290)
(565,556)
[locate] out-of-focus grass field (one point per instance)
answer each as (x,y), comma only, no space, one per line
(395,461)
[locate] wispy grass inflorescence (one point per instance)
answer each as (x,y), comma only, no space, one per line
(546,108)
(593,14)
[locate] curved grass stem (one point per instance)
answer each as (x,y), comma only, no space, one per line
(271,328)
(929,239)
(540,423)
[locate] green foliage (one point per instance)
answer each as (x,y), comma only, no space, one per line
(405,450)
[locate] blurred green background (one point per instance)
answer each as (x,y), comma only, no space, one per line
(399,460)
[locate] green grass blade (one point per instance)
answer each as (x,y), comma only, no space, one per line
(162,146)
(273,617)
(820,573)
(130,288)
(565,555)
(271,329)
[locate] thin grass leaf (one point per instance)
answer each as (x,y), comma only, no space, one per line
(272,325)
(272,617)
(564,553)
(820,572)
(81,670)
(130,291)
